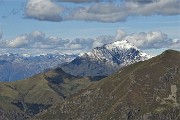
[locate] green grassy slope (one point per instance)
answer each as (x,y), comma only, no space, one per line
(145,90)
(25,98)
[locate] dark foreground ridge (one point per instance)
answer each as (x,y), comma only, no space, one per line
(148,90)
(25,98)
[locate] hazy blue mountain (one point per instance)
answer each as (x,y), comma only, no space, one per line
(16,67)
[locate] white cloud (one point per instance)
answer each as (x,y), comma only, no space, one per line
(153,40)
(44,10)
(162,7)
(75,47)
(111,12)
(37,35)
(18,42)
(38,41)
(85,44)
(103,39)
(100,10)
(120,34)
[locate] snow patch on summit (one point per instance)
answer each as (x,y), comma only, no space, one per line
(117,53)
(105,60)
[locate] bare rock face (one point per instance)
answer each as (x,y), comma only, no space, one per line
(105,60)
(148,90)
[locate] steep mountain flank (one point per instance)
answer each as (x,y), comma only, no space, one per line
(23,99)
(105,60)
(148,90)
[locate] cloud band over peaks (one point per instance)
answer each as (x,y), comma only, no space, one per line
(39,41)
(106,11)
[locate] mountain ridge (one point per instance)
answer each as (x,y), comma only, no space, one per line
(105,60)
(24,98)
(20,66)
(144,90)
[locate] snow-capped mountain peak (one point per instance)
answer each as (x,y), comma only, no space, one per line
(117,53)
(105,60)
(123,44)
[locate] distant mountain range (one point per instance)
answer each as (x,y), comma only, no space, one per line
(105,60)
(16,66)
(102,61)
(148,90)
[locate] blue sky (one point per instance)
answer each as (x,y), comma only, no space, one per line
(18,19)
